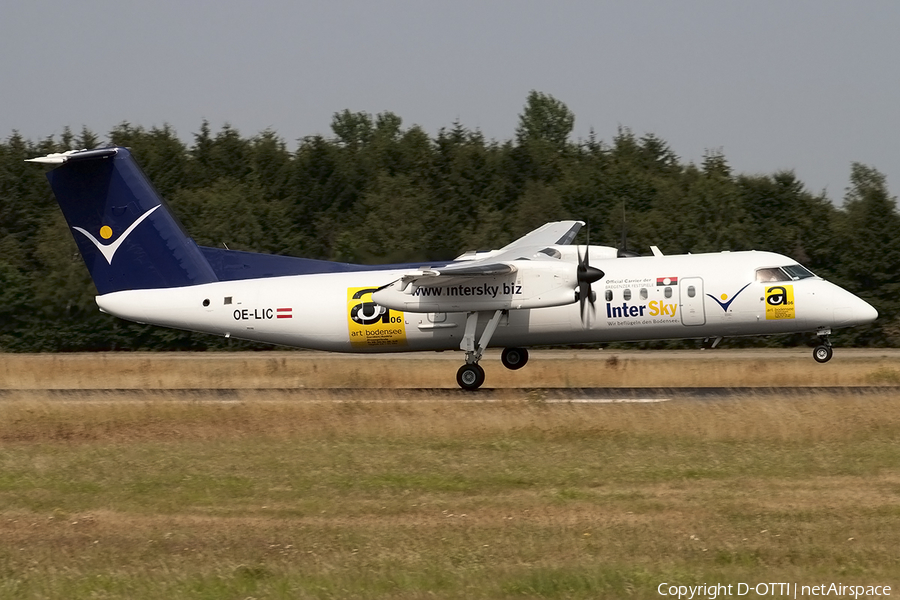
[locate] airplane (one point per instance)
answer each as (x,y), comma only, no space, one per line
(537,290)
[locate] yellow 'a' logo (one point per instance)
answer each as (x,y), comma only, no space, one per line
(371,325)
(779,302)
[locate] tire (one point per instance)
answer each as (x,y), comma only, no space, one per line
(470,377)
(823,353)
(514,358)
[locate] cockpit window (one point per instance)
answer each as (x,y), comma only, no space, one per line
(788,273)
(769,275)
(798,272)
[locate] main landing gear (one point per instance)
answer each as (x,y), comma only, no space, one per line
(823,352)
(471,376)
(514,358)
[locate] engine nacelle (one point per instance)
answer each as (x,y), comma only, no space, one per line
(533,284)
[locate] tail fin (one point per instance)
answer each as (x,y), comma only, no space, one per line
(128,237)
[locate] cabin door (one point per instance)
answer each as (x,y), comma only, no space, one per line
(691,290)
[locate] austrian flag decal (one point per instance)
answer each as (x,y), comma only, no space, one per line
(666,281)
(283,313)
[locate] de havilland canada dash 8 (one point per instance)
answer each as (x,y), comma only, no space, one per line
(538,290)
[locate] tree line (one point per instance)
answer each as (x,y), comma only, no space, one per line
(375,191)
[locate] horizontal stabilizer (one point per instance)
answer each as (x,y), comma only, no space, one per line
(73,155)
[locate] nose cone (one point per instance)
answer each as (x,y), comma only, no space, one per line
(850,310)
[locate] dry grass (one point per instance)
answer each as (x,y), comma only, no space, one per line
(588,368)
(123,417)
(204,494)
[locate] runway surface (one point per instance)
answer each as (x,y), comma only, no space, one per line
(554,374)
(575,395)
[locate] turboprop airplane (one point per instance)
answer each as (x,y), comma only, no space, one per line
(538,290)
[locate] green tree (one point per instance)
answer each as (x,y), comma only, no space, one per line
(703,212)
(87,139)
(399,218)
(159,151)
(352,129)
(25,201)
(545,119)
(539,204)
(227,213)
(869,262)
(468,177)
(787,219)
(15,307)
(541,141)
(225,155)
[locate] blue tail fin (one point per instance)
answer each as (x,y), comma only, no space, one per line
(126,234)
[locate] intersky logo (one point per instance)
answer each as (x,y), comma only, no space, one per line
(726,301)
(109,250)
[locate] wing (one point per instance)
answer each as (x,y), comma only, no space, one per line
(528,247)
(558,232)
(498,262)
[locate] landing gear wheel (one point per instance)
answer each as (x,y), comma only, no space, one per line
(822,353)
(514,358)
(470,377)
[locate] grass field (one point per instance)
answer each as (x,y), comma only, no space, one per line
(512,499)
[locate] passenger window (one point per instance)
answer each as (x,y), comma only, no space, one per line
(626,294)
(691,291)
(667,292)
(643,293)
(609,295)
(769,275)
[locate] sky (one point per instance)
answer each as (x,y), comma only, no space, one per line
(807,85)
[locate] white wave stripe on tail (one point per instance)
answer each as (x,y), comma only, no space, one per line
(109,250)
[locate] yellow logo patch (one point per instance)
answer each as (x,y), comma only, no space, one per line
(371,325)
(780,302)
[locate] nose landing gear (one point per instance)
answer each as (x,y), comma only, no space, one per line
(823,352)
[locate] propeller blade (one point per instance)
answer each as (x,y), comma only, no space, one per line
(586,275)
(584,296)
(587,249)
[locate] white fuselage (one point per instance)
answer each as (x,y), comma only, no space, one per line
(657,297)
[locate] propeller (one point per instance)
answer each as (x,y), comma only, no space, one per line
(586,275)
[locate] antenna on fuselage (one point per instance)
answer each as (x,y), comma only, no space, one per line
(624,252)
